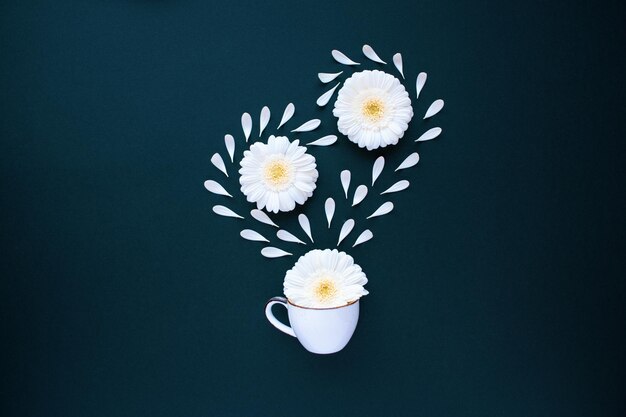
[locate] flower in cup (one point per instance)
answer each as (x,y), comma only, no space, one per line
(324,279)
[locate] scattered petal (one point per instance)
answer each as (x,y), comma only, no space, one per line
(246,125)
(226,212)
(287,114)
(419,83)
(305,225)
(325,141)
(359,195)
(215,188)
(429,134)
(326,77)
(399,186)
(272,252)
(379,164)
(252,235)
(262,217)
(342,58)
(264,119)
(363,237)
(308,126)
(288,237)
(325,98)
(229,140)
(397,61)
(329,208)
(434,108)
(382,210)
(345,181)
(369,52)
(345,230)
(409,162)
(218,162)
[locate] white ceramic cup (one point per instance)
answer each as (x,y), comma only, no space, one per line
(319,330)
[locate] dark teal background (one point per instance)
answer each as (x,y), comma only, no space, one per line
(497,285)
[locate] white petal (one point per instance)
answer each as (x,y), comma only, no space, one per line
(252,235)
(288,237)
(409,162)
(325,141)
(216,188)
(342,59)
(434,108)
(397,61)
(326,77)
(262,217)
(399,186)
(419,83)
(329,208)
(345,230)
(368,51)
(308,126)
(363,237)
(345,181)
(305,225)
(264,119)
(385,208)
(218,162)
(325,98)
(429,134)
(246,125)
(271,252)
(359,194)
(229,141)
(225,211)
(287,114)
(379,164)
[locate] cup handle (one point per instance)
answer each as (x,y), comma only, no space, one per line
(270,316)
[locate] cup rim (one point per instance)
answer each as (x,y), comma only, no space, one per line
(323,308)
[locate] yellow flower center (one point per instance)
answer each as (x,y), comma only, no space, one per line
(277,172)
(373,109)
(325,289)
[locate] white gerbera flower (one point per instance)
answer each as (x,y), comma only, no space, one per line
(373,108)
(323,279)
(277,175)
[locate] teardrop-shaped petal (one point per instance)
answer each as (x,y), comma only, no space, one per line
(226,212)
(345,181)
(325,98)
(246,125)
(434,108)
(385,208)
(363,237)
(419,83)
(252,235)
(325,141)
(218,162)
(272,252)
(379,164)
(229,141)
(369,52)
(327,77)
(308,126)
(305,225)
(409,162)
(329,209)
(397,61)
(262,217)
(287,114)
(345,230)
(399,186)
(215,188)
(288,237)
(264,119)
(429,134)
(359,194)
(342,58)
